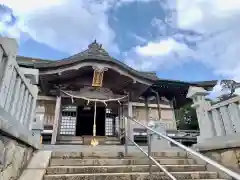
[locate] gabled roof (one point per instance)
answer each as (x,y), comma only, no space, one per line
(30,61)
(95,52)
(205,84)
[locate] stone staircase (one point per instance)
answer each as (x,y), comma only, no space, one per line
(85,140)
(114,166)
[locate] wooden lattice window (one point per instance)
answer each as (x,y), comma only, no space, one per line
(68,122)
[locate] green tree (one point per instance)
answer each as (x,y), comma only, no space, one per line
(186,118)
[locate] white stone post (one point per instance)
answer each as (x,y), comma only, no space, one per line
(158,143)
(40,112)
(218,122)
(206,126)
(10,47)
(227,120)
(37,128)
(33,101)
(235,116)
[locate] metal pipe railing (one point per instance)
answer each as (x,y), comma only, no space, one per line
(148,154)
(189,150)
(152,160)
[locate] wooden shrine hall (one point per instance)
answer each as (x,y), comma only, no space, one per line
(88,95)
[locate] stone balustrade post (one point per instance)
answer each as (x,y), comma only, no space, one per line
(40,112)
(206,126)
(37,128)
(33,105)
(234,110)
(158,143)
(10,48)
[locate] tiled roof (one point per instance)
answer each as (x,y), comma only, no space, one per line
(95,52)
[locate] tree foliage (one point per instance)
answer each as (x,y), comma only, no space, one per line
(186,118)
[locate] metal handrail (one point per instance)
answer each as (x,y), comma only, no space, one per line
(152,159)
(189,150)
(148,154)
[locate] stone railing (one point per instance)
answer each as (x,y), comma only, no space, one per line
(19,129)
(217,120)
(219,126)
(226,116)
(17,96)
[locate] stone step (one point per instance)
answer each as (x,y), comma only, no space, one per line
(78,140)
(69,138)
(133,176)
(112,142)
(100,162)
(114,154)
(101,140)
(70,142)
(120,169)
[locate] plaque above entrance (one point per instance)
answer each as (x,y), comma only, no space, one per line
(98,76)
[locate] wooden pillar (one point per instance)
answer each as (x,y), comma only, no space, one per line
(120,120)
(122,116)
(56,120)
(130,114)
(174,123)
(146,109)
(158,104)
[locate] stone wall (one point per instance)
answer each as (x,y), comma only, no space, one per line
(229,157)
(14,157)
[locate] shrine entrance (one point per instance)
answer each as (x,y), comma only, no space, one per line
(85,121)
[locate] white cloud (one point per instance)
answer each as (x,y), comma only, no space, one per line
(156,55)
(68,26)
(219,47)
(122,2)
(160,48)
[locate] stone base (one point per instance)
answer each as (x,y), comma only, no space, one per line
(218,142)
(229,157)
(14,157)
(225,150)
(159,144)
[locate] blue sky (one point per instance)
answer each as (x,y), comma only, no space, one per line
(188,40)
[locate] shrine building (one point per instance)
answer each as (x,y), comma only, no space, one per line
(89,94)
